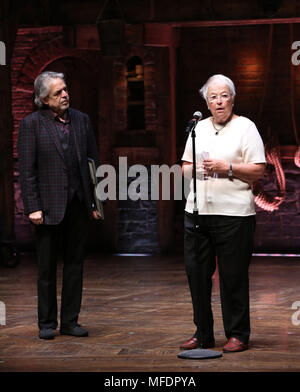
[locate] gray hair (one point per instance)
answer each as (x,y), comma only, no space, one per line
(221,78)
(42,85)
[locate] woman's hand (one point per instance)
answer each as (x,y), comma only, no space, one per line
(215,166)
(247,172)
(187,170)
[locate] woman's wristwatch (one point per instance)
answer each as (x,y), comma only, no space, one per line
(230,170)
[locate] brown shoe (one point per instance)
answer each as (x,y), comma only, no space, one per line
(195,343)
(234,345)
(190,344)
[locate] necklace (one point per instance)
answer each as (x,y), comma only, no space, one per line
(222,127)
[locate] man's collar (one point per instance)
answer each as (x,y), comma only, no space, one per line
(52,115)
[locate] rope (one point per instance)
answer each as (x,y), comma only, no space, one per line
(297,157)
(261,198)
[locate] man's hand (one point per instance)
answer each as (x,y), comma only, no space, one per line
(96,215)
(36,217)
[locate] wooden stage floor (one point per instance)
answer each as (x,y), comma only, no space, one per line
(138,311)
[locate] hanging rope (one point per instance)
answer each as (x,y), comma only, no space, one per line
(262,199)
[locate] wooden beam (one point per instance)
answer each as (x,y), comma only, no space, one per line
(158,34)
(237,22)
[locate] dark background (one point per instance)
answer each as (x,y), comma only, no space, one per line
(179,45)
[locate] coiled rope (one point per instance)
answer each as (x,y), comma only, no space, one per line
(264,200)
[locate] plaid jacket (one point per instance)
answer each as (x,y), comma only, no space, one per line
(42,169)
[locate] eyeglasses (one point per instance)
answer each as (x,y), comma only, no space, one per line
(58,93)
(222,97)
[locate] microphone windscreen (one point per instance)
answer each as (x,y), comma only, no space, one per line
(198,115)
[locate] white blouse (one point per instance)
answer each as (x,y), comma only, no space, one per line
(238,142)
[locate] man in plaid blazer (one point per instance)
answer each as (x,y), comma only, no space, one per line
(54,145)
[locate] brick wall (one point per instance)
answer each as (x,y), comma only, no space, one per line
(35,49)
(137,230)
(137,224)
(25,68)
(263,88)
(258,59)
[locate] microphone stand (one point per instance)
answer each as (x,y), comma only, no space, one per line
(197,353)
(194,172)
(193,136)
(191,129)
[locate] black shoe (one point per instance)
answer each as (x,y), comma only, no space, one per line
(75,330)
(46,333)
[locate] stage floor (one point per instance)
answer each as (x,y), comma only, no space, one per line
(138,311)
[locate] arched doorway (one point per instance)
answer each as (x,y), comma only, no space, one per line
(81,84)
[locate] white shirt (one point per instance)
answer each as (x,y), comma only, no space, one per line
(238,142)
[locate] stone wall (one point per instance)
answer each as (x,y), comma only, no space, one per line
(137,225)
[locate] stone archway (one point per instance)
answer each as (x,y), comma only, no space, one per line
(35,50)
(80,80)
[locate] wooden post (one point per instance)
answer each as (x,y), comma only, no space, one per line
(173,87)
(9,12)
(166,36)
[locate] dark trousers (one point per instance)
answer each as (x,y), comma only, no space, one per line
(69,236)
(230,238)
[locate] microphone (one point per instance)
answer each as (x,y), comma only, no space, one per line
(193,122)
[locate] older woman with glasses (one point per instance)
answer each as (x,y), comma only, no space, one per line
(233,157)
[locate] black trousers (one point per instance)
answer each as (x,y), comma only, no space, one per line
(230,238)
(69,236)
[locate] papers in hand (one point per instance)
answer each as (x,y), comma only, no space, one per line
(97,202)
(201,173)
(201,156)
